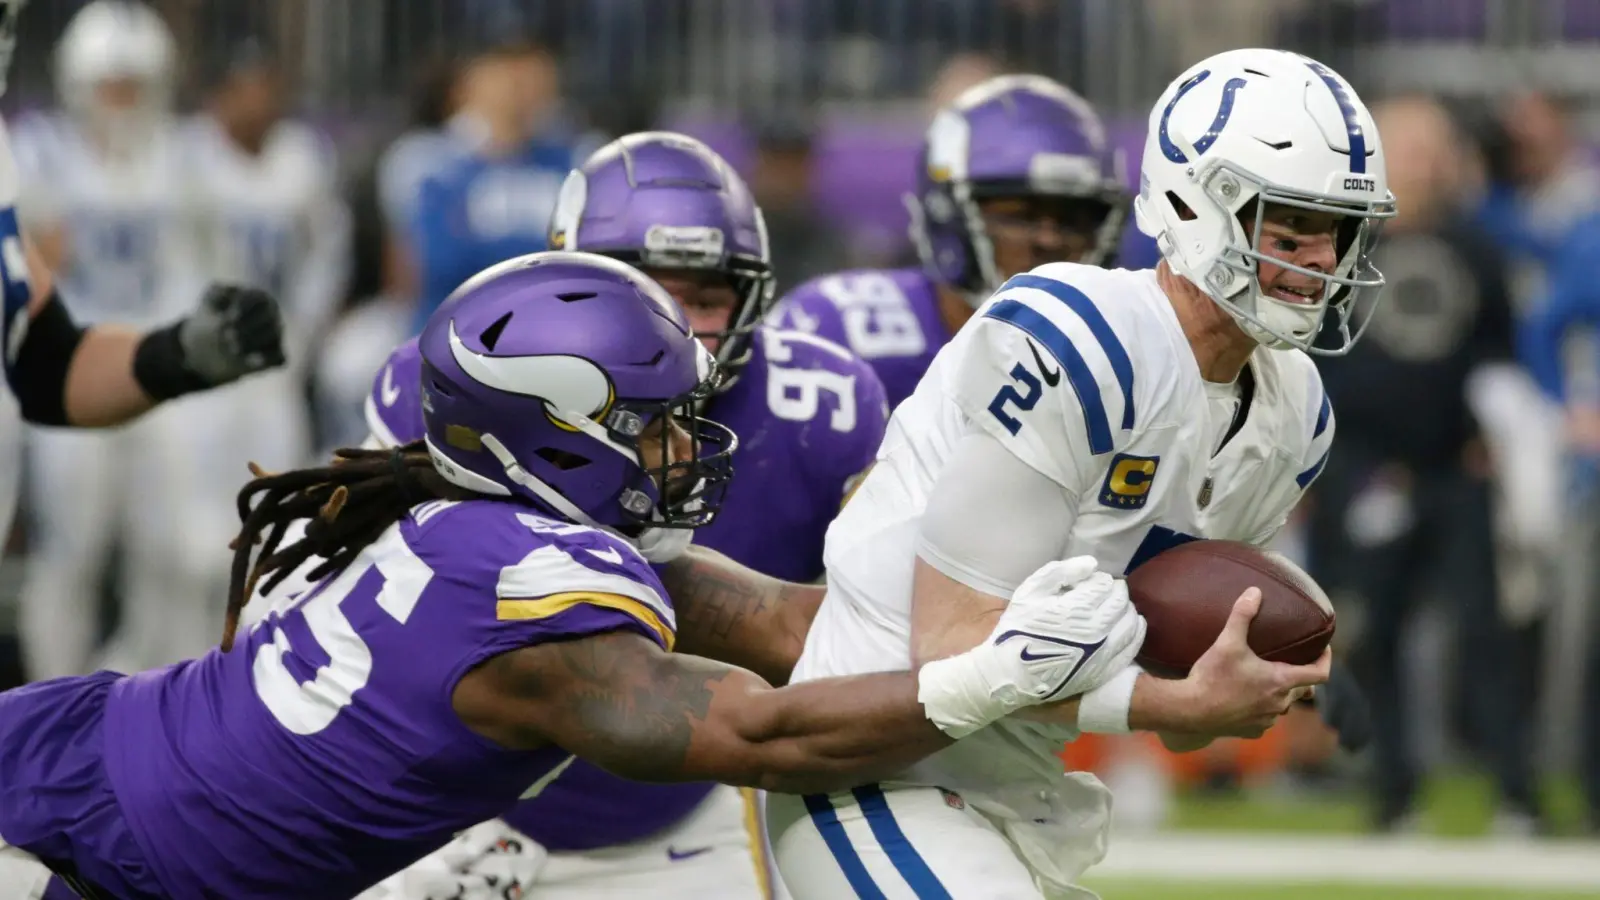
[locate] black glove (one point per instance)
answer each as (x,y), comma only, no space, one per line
(1344,708)
(235,332)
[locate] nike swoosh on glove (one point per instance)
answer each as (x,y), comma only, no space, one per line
(235,332)
(1068,629)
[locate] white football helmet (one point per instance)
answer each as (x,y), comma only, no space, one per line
(114,40)
(1265,127)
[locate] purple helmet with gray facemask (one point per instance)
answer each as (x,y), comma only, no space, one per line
(1011,136)
(663,200)
(540,378)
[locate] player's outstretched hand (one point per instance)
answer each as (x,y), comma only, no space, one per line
(1236,693)
(1067,630)
(235,332)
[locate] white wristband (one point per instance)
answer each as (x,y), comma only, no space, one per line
(1104,710)
(963,693)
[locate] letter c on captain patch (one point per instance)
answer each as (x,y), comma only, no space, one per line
(1128,481)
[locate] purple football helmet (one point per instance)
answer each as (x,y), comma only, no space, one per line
(541,378)
(661,200)
(1011,136)
(394,406)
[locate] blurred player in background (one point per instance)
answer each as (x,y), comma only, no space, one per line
(268,195)
(1105,414)
(1016,173)
(486,610)
(1406,503)
(809,416)
(107,194)
(494,200)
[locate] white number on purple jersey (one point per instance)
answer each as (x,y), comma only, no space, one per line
(795,395)
(878,319)
(310,707)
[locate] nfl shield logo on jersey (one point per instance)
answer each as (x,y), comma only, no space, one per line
(1204,500)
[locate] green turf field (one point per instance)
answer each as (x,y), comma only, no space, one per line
(1456,807)
(1454,804)
(1134,890)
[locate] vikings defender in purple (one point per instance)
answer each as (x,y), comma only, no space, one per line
(485,611)
(1016,173)
(809,416)
(394,408)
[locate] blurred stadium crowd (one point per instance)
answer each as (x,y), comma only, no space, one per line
(360,158)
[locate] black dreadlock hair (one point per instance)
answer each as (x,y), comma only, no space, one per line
(347,505)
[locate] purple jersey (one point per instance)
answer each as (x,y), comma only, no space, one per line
(888,318)
(323,754)
(394,408)
(809,416)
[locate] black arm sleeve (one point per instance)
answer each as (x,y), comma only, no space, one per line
(39,377)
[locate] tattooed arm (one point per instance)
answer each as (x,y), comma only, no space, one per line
(621,702)
(737,615)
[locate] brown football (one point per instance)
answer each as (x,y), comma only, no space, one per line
(1187,592)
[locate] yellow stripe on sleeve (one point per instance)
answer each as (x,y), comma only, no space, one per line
(757,836)
(853,483)
(544,607)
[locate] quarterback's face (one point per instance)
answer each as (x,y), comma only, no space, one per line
(707,298)
(1302,237)
(1028,232)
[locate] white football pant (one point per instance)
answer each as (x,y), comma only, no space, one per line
(718,852)
(164,486)
(904,843)
(22,876)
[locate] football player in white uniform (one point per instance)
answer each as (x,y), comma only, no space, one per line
(1108,414)
(268,193)
(103,191)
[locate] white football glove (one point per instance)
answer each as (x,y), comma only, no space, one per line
(1067,630)
(489,861)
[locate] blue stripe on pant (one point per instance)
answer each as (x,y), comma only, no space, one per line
(907,861)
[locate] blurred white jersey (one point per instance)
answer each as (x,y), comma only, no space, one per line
(133,231)
(275,221)
(130,221)
(1086,375)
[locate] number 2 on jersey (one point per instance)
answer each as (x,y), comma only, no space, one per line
(1022,401)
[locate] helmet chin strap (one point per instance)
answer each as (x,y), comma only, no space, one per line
(657,545)
(663,545)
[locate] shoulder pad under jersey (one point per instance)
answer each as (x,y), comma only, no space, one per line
(1050,368)
(875,313)
(394,406)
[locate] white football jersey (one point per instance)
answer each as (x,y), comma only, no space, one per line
(130,224)
(275,220)
(1086,375)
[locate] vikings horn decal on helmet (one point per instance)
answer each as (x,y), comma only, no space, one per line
(541,379)
(1011,136)
(663,200)
(1251,128)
